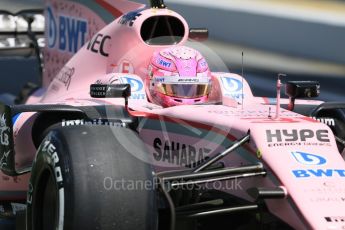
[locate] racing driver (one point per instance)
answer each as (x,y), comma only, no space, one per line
(178,75)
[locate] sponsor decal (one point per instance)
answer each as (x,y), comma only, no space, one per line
(48,148)
(303,173)
(335,218)
(137,86)
(326,188)
(308,159)
(67,33)
(184,80)
(325,120)
(327,199)
(164,63)
(3,160)
(97,44)
(327,192)
(268,120)
(203,63)
(130,17)
(126,67)
(159,79)
(312,160)
(188,80)
(52,28)
(178,153)
(232,87)
(4,131)
(30,192)
(260,116)
(294,137)
(65,76)
(93,122)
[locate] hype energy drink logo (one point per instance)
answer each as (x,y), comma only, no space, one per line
(232,87)
(65,33)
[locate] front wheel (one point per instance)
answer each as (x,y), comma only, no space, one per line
(84,178)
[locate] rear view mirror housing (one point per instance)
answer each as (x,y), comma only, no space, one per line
(111,91)
(301,89)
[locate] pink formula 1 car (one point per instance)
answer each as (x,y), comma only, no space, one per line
(92,151)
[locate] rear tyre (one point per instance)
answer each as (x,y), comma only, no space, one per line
(84,178)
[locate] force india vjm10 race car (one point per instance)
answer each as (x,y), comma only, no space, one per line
(90,151)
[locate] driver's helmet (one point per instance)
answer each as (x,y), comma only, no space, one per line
(178,75)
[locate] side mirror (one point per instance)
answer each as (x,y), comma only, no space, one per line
(301,89)
(111,91)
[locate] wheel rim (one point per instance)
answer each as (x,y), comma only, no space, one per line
(46,209)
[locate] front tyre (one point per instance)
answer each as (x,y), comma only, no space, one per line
(84,178)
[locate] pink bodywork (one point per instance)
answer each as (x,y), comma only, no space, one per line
(316,193)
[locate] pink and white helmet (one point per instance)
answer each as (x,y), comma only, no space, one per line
(178,75)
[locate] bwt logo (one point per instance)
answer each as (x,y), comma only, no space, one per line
(231,84)
(136,85)
(203,63)
(313,160)
(67,32)
(308,159)
(159,79)
(303,173)
(164,63)
(129,18)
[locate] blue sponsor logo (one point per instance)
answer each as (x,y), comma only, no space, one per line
(52,30)
(302,173)
(138,96)
(130,17)
(203,63)
(164,63)
(68,33)
(308,159)
(159,79)
(231,85)
(136,87)
(313,159)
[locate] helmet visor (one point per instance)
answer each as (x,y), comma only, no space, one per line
(184,90)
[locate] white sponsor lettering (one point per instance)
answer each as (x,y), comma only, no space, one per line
(3,160)
(93,122)
(4,137)
(325,120)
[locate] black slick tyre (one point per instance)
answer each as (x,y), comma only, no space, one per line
(84,177)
